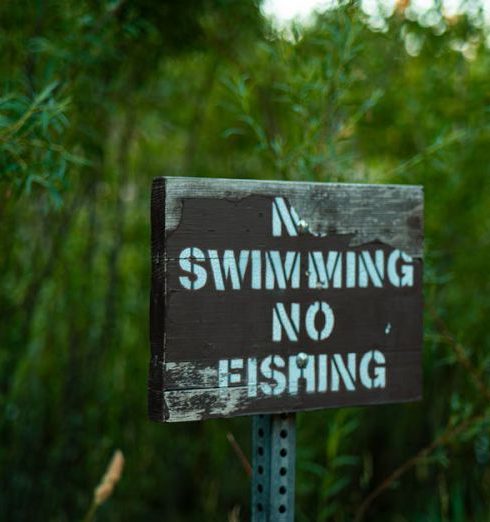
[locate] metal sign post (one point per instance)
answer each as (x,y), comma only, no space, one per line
(273,478)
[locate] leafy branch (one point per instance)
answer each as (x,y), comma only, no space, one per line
(449,433)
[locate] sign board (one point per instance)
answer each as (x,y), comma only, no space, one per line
(270,297)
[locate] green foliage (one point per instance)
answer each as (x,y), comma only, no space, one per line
(30,152)
(96,99)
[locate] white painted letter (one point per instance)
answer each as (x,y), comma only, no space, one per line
(368,269)
(269,373)
(282,320)
(339,369)
(252,376)
(187,259)
(351,270)
(278,273)
(282,215)
(228,267)
(379,379)
(256,257)
(296,373)
(406,277)
(329,321)
(236,364)
(223,373)
(325,274)
(322,373)
(226,375)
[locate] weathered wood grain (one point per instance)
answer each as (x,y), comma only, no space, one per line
(392,214)
(197,404)
(193,329)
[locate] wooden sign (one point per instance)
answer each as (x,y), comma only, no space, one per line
(280,296)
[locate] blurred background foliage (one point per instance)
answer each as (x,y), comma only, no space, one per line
(97,98)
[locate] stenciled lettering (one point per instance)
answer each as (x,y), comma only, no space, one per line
(232,270)
(275,375)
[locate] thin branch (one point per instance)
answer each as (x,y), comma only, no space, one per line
(433,148)
(459,351)
(239,453)
(449,433)
(447,436)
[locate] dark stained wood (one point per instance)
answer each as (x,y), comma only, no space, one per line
(192,329)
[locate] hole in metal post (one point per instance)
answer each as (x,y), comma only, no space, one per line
(283,471)
(261,432)
(283,434)
(282,490)
(283,452)
(282,509)
(260,469)
(260,450)
(259,507)
(260,488)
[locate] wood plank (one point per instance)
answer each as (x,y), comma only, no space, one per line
(193,405)
(392,214)
(203,374)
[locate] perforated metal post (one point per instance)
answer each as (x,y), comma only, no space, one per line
(273,478)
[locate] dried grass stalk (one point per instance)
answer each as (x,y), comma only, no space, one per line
(112,476)
(106,486)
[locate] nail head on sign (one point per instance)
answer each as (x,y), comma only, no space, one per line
(303,226)
(301,360)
